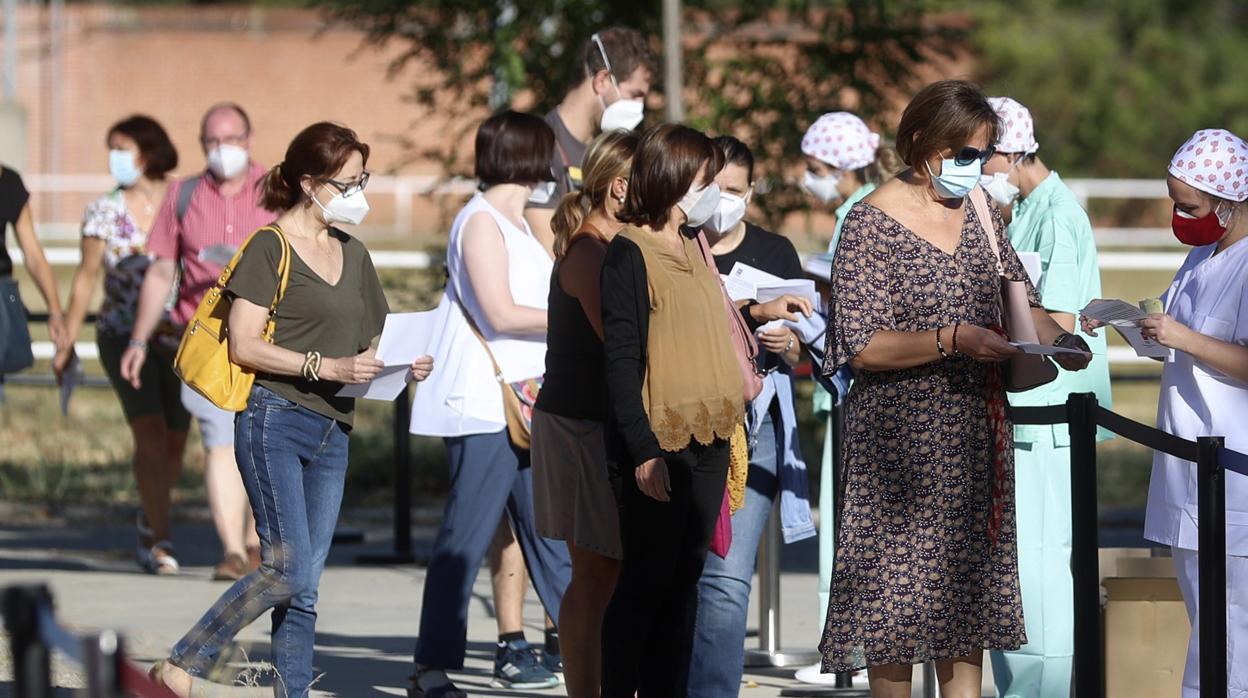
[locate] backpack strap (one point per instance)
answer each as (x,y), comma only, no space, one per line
(185,191)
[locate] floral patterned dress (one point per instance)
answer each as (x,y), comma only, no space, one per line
(125,261)
(918,576)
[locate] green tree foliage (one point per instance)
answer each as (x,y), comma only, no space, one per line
(762,71)
(1116,85)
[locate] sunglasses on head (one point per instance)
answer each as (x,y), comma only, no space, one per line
(966,155)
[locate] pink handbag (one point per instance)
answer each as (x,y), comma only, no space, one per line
(743,341)
(721,539)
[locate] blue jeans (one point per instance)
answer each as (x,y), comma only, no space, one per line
(488,476)
(293,462)
(724,589)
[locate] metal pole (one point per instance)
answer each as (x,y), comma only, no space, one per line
(929,680)
(10,51)
(673,69)
(1085,568)
(769,587)
(402,554)
(1211,500)
(100,653)
(32,665)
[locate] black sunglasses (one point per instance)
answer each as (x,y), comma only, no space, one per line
(966,155)
(348,188)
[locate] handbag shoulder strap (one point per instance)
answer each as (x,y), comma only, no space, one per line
(476,332)
(980,202)
(283,265)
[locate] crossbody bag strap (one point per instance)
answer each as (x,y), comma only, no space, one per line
(980,202)
(476,332)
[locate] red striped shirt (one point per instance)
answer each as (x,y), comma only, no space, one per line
(211,219)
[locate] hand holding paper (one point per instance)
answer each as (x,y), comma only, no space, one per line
(403,351)
(1126,319)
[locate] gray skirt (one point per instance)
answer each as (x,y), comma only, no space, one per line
(572,496)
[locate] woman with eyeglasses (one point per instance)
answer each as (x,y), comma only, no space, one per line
(291,439)
(926,567)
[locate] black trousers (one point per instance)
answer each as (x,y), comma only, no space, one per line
(648,629)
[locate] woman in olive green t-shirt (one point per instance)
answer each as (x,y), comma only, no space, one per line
(291,440)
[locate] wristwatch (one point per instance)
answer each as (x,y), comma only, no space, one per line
(1067,340)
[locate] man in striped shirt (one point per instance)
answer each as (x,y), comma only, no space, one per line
(195,229)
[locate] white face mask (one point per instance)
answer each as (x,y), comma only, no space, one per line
(999,188)
(350,210)
(228,161)
(728,213)
(622,114)
(542,193)
(699,204)
(822,187)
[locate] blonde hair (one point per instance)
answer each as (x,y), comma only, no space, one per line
(609,156)
(887,163)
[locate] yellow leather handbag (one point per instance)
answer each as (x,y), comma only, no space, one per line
(203,359)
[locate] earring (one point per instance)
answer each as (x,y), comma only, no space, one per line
(621,200)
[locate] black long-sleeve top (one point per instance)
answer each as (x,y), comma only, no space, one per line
(626,333)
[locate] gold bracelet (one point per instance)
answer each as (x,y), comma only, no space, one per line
(312,366)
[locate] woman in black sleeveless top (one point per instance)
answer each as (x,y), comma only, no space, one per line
(572,496)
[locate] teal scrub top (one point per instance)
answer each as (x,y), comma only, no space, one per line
(1051,222)
(843,210)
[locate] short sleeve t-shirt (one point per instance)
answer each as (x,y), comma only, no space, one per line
(337,320)
(565,162)
(13,198)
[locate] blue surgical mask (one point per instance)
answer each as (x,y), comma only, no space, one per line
(122,167)
(955,181)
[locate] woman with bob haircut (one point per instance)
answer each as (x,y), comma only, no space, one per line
(291,439)
(114,240)
(494,313)
(926,567)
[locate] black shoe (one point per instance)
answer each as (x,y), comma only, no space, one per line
(446,690)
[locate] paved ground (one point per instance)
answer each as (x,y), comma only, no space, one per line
(368,614)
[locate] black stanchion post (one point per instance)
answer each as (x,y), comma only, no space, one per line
(32,665)
(402,554)
(1211,500)
(1085,542)
(101,653)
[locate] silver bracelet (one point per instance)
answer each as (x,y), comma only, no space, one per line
(137,344)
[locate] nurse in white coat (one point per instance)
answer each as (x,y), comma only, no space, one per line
(1204,386)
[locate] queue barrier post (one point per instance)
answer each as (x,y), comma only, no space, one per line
(402,553)
(101,654)
(1211,519)
(32,663)
(1089,665)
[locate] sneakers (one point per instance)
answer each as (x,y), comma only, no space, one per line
(553,662)
(518,667)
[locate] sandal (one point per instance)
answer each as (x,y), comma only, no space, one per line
(231,569)
(159,559)
(157,676)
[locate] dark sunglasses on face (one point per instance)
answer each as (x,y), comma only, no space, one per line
(349,188)
(966,155)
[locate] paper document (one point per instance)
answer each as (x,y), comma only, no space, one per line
(1046,349)
(219,255)
(70,380)
(1135,337)
(819,266)
(1126,318)
(404,338)
(810,330)
(1031,262)
(747,283)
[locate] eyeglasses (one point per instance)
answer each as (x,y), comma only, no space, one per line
(966,155)
(350,188)
(213,143)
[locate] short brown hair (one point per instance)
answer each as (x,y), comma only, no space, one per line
(627,50)
(667,162)
(514,148)
(318,152)
(943,115)
(159,155)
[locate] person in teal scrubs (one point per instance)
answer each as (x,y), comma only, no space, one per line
(1048,221)
(845,161)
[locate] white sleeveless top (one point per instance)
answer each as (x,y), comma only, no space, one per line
(462,395)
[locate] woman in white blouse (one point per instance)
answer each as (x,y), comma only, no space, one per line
(1204,385)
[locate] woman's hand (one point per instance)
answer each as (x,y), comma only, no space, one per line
(652,479)
(57,331)
(361,368)
(985,345)
(1089,325)
(1167,332)
(421,368)
(785,307)
(60,361)
(132,364)
(778,340)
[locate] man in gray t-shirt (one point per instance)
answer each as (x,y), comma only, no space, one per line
(618,68)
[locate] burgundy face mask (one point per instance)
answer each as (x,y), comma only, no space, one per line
(1197,232)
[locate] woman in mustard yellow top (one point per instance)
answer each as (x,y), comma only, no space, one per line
(675,397)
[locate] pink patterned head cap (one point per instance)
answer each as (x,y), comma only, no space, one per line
(841,140)
(1214,161)
(1018,129)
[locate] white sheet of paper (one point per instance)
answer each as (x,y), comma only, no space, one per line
(1031,262)
(70,380)
(1135,337)
(819,266)
(738,290)
(1047,350)
(219,255)
(747,282)
(1113,312)
(809,329)
(406,337)
(387,386)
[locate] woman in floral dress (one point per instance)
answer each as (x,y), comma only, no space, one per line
(926,567)
(114,238)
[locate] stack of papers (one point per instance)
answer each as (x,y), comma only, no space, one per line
(1046,349)
(404,338)
(1126,318)
(745,282)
